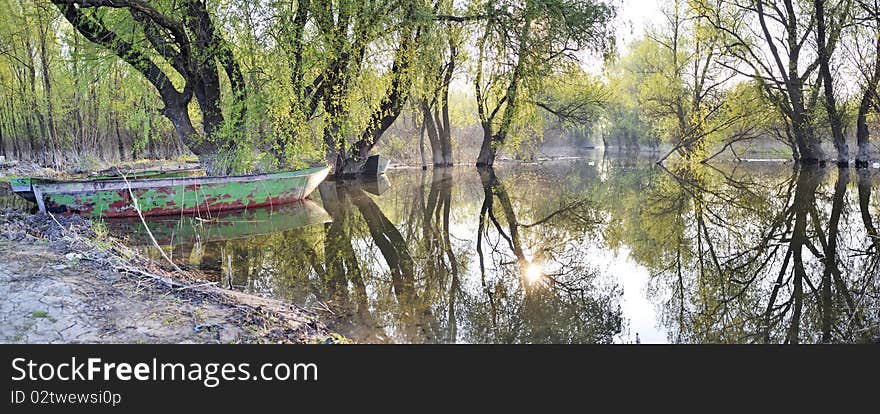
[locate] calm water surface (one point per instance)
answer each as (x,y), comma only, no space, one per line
(563,252)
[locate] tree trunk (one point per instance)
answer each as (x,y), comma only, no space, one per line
(79,140)
(862,133)
(37,153)
(487,149)
(54,142)
(868,97)
(445,129)
(349,161)
(6,113)
(422,129)
(493,141)
(433,135)
(808,147)
(120,146)
(834,117)
(296,36)
(200,48)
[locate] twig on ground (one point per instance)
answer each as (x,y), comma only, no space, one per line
(150,233)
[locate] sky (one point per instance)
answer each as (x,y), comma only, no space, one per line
(633,16)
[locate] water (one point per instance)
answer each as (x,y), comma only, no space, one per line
(8,199)
(587,251)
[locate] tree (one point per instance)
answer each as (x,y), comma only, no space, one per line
(346,32)
(517,43)
(683,77)
(771,39)
(828,30)
(623,120)
(439,58)
(190,47)
(866,28)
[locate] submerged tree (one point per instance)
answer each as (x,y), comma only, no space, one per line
(682,77)
(866,27)
(440,56)
(328,87)
(517,44)
(775,44)
(830,19)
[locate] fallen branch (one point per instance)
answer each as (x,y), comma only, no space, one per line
(150,233)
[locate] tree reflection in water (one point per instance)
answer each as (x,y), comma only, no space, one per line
(559,305)
(736,254)
(777,265)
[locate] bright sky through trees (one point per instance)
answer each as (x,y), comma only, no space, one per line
(633,16)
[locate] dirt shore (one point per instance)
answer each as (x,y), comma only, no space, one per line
(60,282)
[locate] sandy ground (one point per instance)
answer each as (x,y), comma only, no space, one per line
(57,287)
(50,298)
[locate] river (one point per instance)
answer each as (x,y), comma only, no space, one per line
(599,250)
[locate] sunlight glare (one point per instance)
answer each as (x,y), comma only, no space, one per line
(534,272)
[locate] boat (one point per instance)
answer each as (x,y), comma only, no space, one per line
(23,185)
(376,165)
(112,174)
(164,196)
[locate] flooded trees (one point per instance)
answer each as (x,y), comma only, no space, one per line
(346,33)
(773,47)
(439,58)
(682,73)
(767,258)
(866,27)
(518,43)
(828,28)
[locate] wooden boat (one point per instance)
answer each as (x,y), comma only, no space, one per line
(117,174)
(163,196)
(23,185)
(376,165)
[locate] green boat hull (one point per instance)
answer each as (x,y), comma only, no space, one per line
(201,196)
(23,186)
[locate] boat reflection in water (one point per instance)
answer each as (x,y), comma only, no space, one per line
(185,237)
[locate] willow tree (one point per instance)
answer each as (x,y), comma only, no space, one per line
(830,19)
(517,45)
(24,42)
(682,74)
(440,56)
(350,68)
(178,48)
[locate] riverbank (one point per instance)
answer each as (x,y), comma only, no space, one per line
(64,281)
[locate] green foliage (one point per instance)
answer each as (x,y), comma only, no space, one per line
(623,122)
(680,84)
(518,47)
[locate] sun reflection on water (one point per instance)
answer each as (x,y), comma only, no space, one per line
(534,272)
